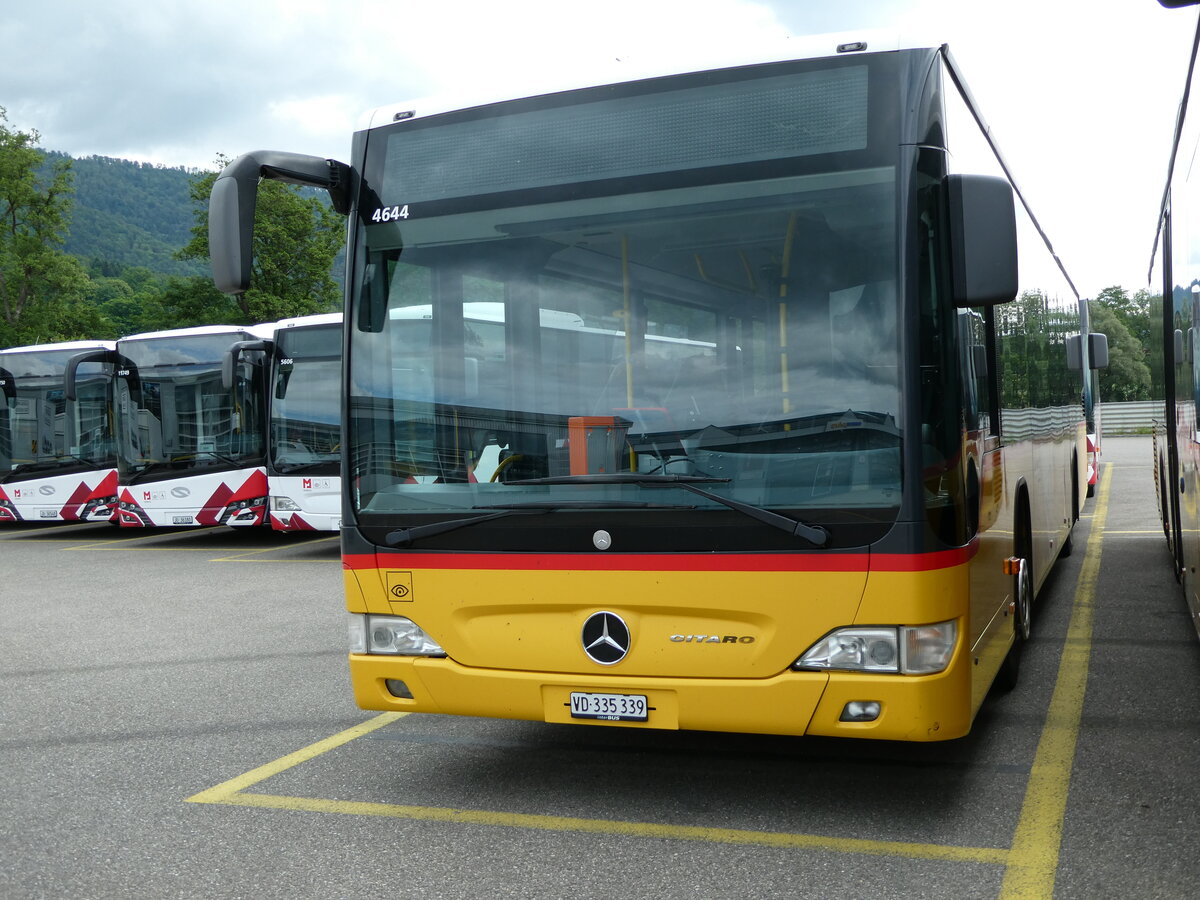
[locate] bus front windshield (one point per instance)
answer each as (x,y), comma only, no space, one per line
(564,351)
(306,406)
(40,430)
(176,415)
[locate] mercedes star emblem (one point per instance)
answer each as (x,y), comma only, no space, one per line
(605,638)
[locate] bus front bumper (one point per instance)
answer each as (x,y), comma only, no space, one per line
(925,708)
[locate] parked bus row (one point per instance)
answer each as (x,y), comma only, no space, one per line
(214,425)
(730,399)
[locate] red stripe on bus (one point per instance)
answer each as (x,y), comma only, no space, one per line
(667,562)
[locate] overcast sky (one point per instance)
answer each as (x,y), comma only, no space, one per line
(1081,95)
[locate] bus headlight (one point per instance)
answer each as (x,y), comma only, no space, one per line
(855,649)
(393,635)
(284,504)
(908,649)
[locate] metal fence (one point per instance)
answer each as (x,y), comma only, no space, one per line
(1130,418)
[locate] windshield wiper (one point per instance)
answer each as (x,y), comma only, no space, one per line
(44,464)
(290,468)
(814,534)
(211,454)
(402,537)
(622,478)
(583,504)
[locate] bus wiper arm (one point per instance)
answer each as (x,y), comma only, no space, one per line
(212,454)
(402,537)
(622,478)
(814,534)
(551,505)
(43,464)
(290,468)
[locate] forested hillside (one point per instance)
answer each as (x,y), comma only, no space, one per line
(128,214)
(97,248)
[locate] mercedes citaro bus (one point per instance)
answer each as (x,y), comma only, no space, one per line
(780,428)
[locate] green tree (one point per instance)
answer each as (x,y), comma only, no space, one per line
(43,291)
(297,237)
(1132,311)
(1127,376)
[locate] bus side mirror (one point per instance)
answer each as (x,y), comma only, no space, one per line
(235,194)
(983,239)
(229,363)
(8,385)
(73,364)
(1098,350)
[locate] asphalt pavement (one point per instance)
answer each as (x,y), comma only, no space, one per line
(176,721)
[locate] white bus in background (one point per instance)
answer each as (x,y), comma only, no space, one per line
(57,456)
(304,433)
(189,450)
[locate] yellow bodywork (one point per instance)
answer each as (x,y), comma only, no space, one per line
(711,650)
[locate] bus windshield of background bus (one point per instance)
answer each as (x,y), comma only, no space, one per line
(307,403)
(177,416)
(39,429)
(738,326)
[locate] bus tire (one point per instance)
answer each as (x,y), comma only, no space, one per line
(1068,544)
(1010,669)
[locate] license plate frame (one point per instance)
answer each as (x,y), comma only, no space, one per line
(609,707)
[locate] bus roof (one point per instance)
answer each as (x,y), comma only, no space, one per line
(306,321)
(64,345)
(201,330)
(617,70)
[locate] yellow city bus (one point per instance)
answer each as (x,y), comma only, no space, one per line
(1175,271)
(696,401)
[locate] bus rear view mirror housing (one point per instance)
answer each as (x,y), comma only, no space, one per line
(1097,351)
(234,197)
(229,362)
(983,239)
(8,387)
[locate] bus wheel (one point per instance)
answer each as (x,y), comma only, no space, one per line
(1010,669)
(1068,544)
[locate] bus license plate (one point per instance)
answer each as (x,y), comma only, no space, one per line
(611,707)
(182,520)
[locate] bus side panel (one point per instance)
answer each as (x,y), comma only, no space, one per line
(1188,498)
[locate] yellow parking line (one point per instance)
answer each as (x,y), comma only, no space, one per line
(247,555)
(222,792)
(1030,865)
(235,793)
(1033,861)
(941,852)
(137,538)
